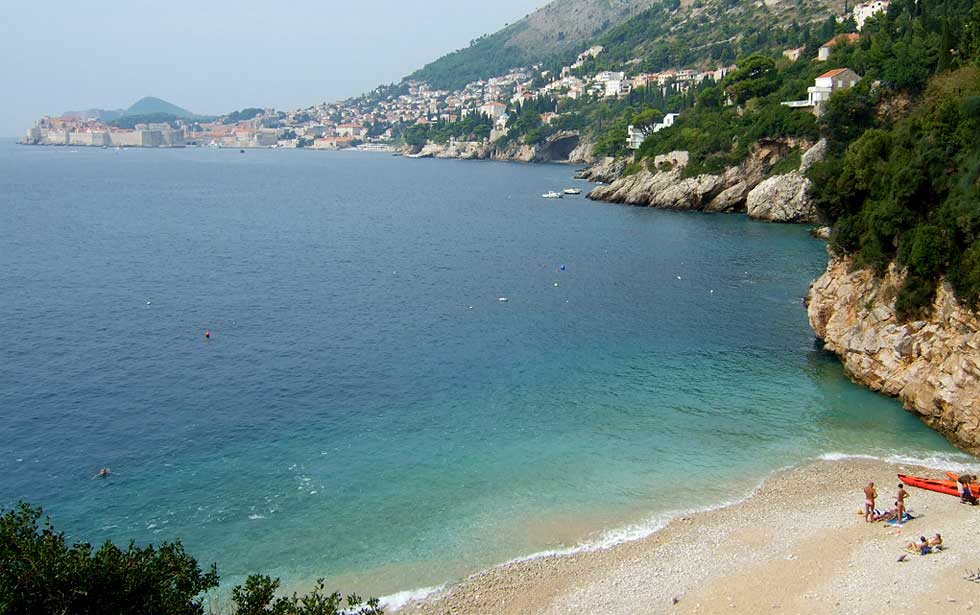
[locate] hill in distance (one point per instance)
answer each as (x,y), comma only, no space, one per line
(660,33)
(150,106)
(146,106)
(559,29)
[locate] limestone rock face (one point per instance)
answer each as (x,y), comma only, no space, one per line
(782,198)
(932,366)
(786,198)
(663,187)
(604,170)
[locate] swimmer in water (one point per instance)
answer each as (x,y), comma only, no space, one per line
(103,473)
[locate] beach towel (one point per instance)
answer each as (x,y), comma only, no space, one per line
(905,519)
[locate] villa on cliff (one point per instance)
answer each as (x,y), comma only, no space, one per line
(823,88)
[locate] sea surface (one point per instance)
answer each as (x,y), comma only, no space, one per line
(368,408)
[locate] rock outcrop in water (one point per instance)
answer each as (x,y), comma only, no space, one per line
(932,366)
(606,170)
(782,198)
(565,146)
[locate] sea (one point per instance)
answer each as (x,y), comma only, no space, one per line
(415,369)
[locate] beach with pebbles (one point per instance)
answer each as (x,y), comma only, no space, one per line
(796,545)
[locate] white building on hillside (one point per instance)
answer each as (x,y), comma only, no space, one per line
(823,88)
(493,109)
(865,10)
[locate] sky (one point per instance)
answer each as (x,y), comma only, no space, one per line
(216,56)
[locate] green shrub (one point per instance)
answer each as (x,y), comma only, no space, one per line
(42,574)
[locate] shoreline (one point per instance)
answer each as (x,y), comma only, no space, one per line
(722,556)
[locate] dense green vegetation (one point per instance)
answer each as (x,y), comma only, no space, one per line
(713,32)
(241,116)
(667,35)
(474,127)
(486,56)
(41,573)
(901,184)
(717,135)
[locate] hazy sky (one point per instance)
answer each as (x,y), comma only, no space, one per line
(215,56)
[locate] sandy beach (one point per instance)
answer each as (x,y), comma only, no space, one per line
(797,545)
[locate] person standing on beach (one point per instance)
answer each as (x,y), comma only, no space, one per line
(966,492)
(900,502)
(870,494)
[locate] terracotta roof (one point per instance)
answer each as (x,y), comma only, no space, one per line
(843,38)
(832,73)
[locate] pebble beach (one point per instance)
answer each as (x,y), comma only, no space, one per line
(797,545)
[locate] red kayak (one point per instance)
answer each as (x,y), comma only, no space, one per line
(932,484)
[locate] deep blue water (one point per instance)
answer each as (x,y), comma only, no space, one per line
(366,409)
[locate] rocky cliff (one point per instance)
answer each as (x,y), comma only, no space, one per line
(746,187)
(932,366)
(559,147)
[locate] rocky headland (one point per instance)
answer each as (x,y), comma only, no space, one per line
(565,146)
(747,187)
(932,365)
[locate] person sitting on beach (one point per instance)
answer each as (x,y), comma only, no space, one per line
(921,546)
(884,515)
(936,542)
(870,493)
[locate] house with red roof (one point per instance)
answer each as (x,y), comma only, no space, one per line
(823,54)
(823,88)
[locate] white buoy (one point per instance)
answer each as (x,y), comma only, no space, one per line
(678,277)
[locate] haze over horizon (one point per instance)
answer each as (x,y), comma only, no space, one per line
(221,56)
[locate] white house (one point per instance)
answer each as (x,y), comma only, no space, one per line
(613,87)
(823,87)
(667,122)
(635,136)
(493,109)
(865,10)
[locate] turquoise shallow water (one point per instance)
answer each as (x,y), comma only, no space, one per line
(366,409)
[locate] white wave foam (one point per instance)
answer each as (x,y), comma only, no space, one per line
(254,517)
(634,531)
(397,600)
(954,462)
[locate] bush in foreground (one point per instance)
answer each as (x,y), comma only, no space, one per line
(41,573)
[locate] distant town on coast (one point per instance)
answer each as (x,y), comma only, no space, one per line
(483,110)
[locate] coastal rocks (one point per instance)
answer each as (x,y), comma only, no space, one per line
(661,185)
(603,171)
(786,198)
(582,154)
(782,198)
(932,366)
(564,146)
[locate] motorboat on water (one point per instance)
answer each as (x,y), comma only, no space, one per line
(573,191)
(551,194)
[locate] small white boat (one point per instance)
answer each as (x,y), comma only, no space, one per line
(573,191)
(551,194)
